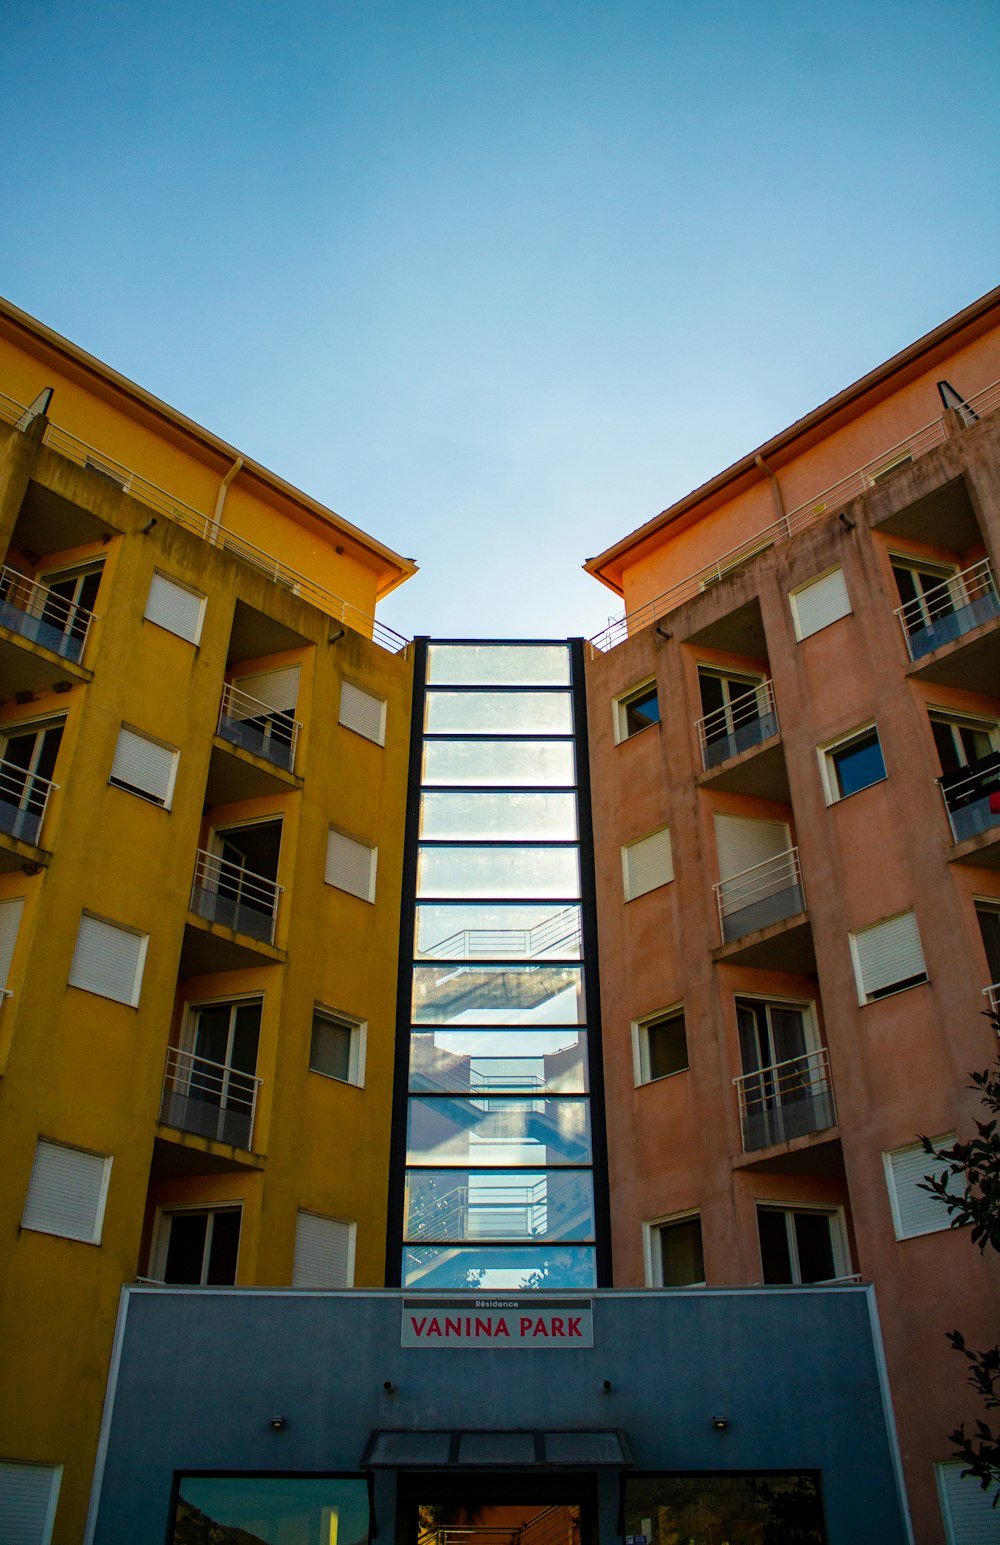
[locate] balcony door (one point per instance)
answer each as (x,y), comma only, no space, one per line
(785,1086)
(221,1067)
(29,760)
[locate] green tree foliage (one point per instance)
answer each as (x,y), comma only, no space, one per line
(975,1201)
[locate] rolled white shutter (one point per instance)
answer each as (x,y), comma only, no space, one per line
(888,953)
(322,1252)
(275,689)
(66,1192)
(10,921)
(818,604)
(28,1495)
(362,712)
(143,764)
(743,842)
(350,865)
(968,1509)
(108,960)
(915,1211)
(175,607)
(647,864)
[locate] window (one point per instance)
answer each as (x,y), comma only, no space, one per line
(915,1211)
(258,713)
(801,1244)
(887,957)
(362,712)
(351,865)
(660,1046)
(27,761)
(144,766)
(822,601)
(10,922)
(108,960)
(988,918)
(235,880)
(67,1192)
(962,742)
(738,712)
(925,591)
(851,764)
(636,711)
(324,1252)
(337,1048)
(674,1252)
(175,607)
(198,1246)
(647,864)
(230,1507)
(968,1512)
(28,1497)
(784,1088)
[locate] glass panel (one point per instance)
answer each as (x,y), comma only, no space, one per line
(666,1043)
(411,1448)
(444,1205)
(504,763)
(224,1249)
(525,665)
(584,1448)
(498,713)
(469,1061)
(498,995)
(498,1130)
(504,816)
(774,1252)
(499,871)
(502,932)
(741,1509)
(681,1259)
(498,1448)
(501,1268)
(814,1246)
(859,765)
(272,1510)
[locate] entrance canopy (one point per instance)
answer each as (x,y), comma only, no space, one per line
(390,1448)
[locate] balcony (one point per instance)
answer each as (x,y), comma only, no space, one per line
(37,613)
(24,797)
(764,894)
(972,797)
(946,612)
(247,722)
(211,1099)
(787,1100)
(992,996)
(738,726)
(234,896)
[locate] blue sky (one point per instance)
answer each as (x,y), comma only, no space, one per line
(498,280)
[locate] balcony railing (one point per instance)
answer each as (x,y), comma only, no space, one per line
(992,996)
(246,721)
(210,1098)
(972,797)
(761,895)
(558,936)
(950,610)
(210,530)
(828,502)
(227,893)
(737,726)
(23,800)
(789,1099)
(30,608)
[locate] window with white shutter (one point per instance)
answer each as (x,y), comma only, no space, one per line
(175,607)
(647,864)
(10,921)
(888,957)
(968,1512)
(351,865)
(28,1497)
(915,1211)
(362,712)
(108,960)
(324,1252)
(66,1192)
(820,602)
(144,766)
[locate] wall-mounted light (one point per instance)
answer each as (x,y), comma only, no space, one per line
(388,1386)
(663,631)
(336,637)
(278,1423)
(62,686)
(606,1386)
(24,697)
(720,1423)
(846,521)
(147,528)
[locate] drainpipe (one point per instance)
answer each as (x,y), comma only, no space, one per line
(776,498)
(221,497)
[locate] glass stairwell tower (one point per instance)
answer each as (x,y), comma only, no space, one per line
(499,1172)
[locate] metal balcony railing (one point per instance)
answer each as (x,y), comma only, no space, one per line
(204,526)
(23,800)
(992,996)
(34,611)
(210,1098)
(789,1099)
(762,894)
(950,610)
(737,726)
(227,893)
(972,797)
(246,721)
(558,935)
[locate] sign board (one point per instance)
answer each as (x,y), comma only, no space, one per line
(527,1320)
